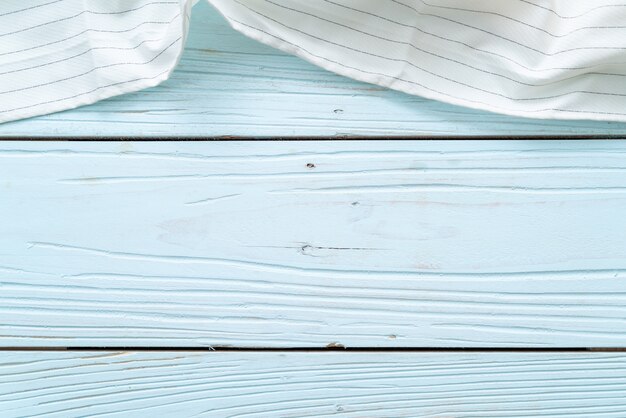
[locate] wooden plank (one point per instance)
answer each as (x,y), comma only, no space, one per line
(229,85)
(376,243)
(299,244)
(249,384)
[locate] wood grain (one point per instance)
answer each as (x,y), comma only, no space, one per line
(248,384)
(299,244)
(228,85)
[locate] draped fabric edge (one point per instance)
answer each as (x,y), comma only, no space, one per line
(293,49)
(390,83)
(123,88)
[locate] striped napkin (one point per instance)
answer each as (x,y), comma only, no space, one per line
(562,59)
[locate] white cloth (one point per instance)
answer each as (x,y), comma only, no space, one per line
(562,59)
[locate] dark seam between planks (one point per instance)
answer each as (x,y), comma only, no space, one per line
(228,138)
(326,349)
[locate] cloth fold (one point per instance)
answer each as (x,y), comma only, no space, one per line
(541,58)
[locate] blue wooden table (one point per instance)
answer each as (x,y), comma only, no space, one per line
(143,273)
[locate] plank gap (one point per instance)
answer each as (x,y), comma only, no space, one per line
(326,349)
(314,138)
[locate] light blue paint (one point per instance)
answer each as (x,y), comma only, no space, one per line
(228,85)
(310,243)
(306,384)
(493,244)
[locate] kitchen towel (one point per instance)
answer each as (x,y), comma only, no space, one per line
(563,59)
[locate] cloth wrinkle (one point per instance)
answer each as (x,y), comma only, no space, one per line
(552,59)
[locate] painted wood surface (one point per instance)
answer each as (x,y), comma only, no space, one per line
(244,384)
(228,85)
(300,244)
